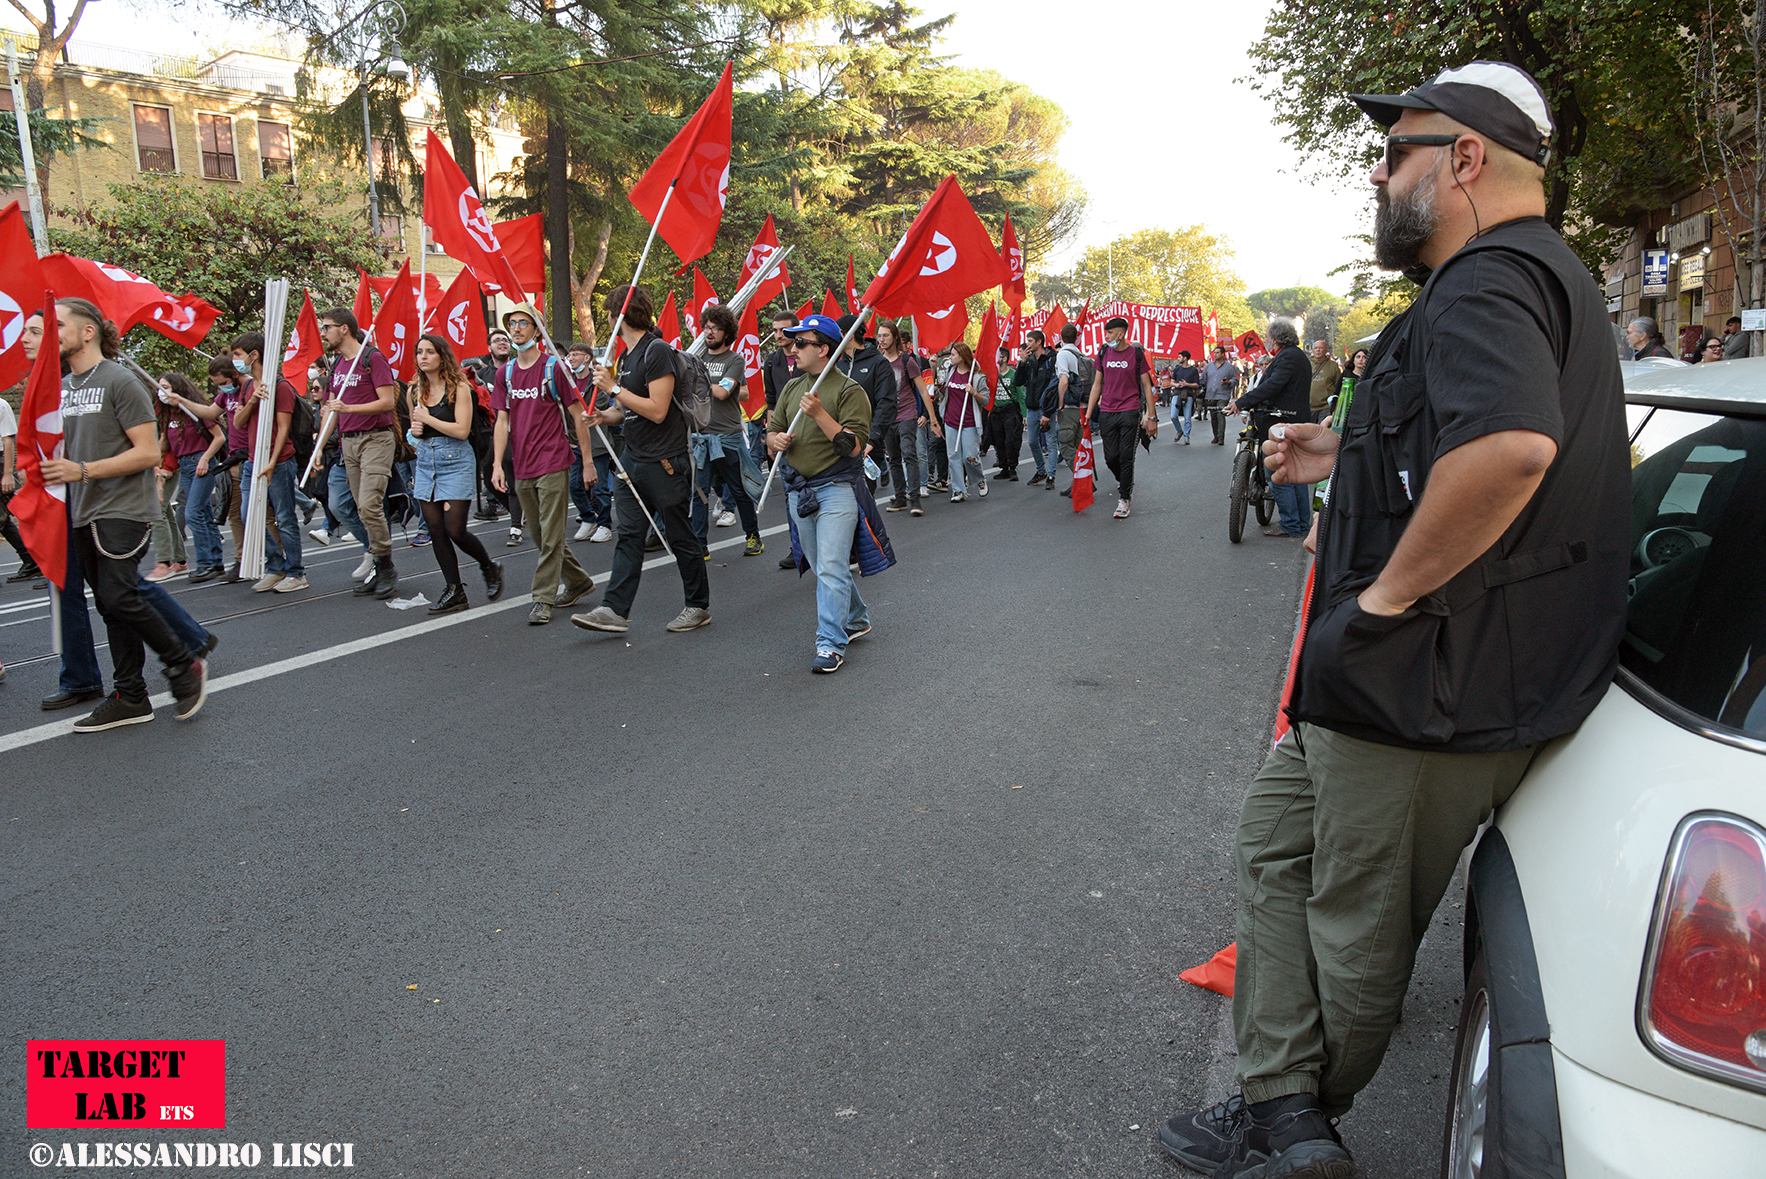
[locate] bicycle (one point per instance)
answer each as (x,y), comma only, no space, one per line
(1250,481)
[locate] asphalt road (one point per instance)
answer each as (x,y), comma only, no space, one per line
(669,903)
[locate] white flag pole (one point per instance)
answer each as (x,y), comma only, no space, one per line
(251,562)
(330,419)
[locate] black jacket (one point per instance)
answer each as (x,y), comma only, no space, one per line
(1286,386)
(1037,376)
(876,376)
(775,370)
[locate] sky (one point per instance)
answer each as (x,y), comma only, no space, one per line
(1202,148)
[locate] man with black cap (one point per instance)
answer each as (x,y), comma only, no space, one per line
(1469,599)
(1122,404)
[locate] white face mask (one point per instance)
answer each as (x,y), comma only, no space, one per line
(527,347)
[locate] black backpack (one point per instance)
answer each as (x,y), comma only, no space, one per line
(303,424)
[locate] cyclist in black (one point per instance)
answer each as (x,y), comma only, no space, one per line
(1284,394)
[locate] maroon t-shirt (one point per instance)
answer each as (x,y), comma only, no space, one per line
(1122,371)
(184,436)
(238,437)
(285,396)
(536,426)
(358,387)
(959,408)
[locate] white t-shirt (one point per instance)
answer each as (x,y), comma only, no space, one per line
(1067,362)
(8,422)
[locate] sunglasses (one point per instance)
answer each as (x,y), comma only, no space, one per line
(1394,160)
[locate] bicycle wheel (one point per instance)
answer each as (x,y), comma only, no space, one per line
(1263,498)
(1240,492)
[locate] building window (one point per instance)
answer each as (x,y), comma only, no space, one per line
(275,151)
(218,160)
(6,98)
(429,243)
(392,232)
(383,161)
(153,139)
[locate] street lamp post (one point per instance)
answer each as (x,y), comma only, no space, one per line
(381,25)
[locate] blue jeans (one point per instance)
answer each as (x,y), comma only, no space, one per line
(79,658)
(579,494)
(198,494)
(342,505)
(826,541)
(1294,502)
(726,470)
(757,441)
(1045,444)
(1180,415)
(965,454)
(283,558)
(601,494)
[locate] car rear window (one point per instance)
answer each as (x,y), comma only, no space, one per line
(1696,627)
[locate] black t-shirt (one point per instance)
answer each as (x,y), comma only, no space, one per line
(1181,373)
(645,440)
(1510,334)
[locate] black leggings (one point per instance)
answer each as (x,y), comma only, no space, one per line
(446,520)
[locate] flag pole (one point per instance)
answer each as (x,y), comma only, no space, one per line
(739,301)
(857,324)
(619,322)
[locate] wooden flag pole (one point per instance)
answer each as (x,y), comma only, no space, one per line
(858,324)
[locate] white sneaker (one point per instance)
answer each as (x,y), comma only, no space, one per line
(726,518)
(601,533)
(925,492)
(585,531)
(320,535)
(1121,512)
(957,497)
(981,488)
(266,583)
(289,585)
(514,538)
(366,569)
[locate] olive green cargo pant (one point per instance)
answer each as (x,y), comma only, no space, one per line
(1345,848)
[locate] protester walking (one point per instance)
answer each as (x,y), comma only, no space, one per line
(284,570)
(1036,373)
(1122,405)
(1186,386)
(959,422)
(442,405)
(913,412)
(197,439)
(229,393)
(720,453)
(1220,384)
(1005,421)
(364,397)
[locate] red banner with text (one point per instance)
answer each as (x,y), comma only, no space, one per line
(1162,331)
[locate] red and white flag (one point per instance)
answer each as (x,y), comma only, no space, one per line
(748,343)
(668,323)
(945,256)
(696,164)
(766,244)
(1012,290)
(431,289)
(852,303)
(395,328)
(457,220)
(21,287)
(987,352)
(1084,317)
(42,511)
(524,245)
(1084,470)
(703,297)
(935,329)
(456,315)
(304,344)
(1051,327)
(130,299)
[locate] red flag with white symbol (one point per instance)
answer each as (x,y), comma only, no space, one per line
(945,256)
(458,222)
(1084,317)
(304,344)
(456,315)
(21,286)
(938,328)
(748,344)
(668,324)
(1051,327)
(130,299)
(432,290)
(696,164)
(395,328)
(1084,469)
(987,352)
(703,297)
(184,318)
(766,244)
(42,511)
(1012,290)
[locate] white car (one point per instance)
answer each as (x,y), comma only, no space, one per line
(1614,1021)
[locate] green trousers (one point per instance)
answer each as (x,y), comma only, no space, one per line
(1344,850)
(1069,422)
(545,503)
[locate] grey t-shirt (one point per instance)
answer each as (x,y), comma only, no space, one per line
(726,416)
(98,409)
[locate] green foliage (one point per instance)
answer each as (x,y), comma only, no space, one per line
(49,138)
(1279,301)
(223,243)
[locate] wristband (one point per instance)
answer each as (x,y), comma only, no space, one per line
(83,476)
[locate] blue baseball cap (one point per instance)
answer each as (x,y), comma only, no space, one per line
(821,325)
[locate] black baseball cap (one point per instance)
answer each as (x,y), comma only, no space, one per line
(1493,98)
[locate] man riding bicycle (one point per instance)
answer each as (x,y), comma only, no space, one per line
(1284,394)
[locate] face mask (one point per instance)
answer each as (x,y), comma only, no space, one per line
(527,347)
(240,366)
(578,369)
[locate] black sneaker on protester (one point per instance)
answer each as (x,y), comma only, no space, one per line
(190,688)
(1287,1138)
(1206,1139)
(114,713)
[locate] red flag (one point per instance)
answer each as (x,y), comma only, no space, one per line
(395,328)
(1012,291)
(987,352)
(460,319)
(1084,316)
(1015,332)
(304,344)
(458,222)
(748,343)
(129,299)
(1250,344)
(21,285)
(524,245)
(364,307)
(432,289)
(42,511)
(1211,330)
(703,297)
(1051,327)
(852,303)
(1083,469)
(938,328)
(831,305)
(696,164)
(945,256)
(184,318)
(808,309)
(766,244)
(1216,974)
(668,324)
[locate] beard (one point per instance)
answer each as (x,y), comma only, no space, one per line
(1402,227)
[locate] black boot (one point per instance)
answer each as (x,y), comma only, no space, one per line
(386,578)
(452,601)
(493,580)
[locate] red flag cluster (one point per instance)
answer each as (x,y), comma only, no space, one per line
(42,511)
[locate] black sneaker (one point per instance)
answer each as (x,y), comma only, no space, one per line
(190,689)
(827,662)
(1287,1138)
(114,713)
(1206,1139)
(25,573)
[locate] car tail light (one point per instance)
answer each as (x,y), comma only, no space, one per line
(1703,1001)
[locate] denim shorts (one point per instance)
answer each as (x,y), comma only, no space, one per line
(446,468)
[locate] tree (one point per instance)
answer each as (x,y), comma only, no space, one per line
(51,42)
(49,138)
(222,243)
(1279,301)
(1729,71)
(1186,267)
